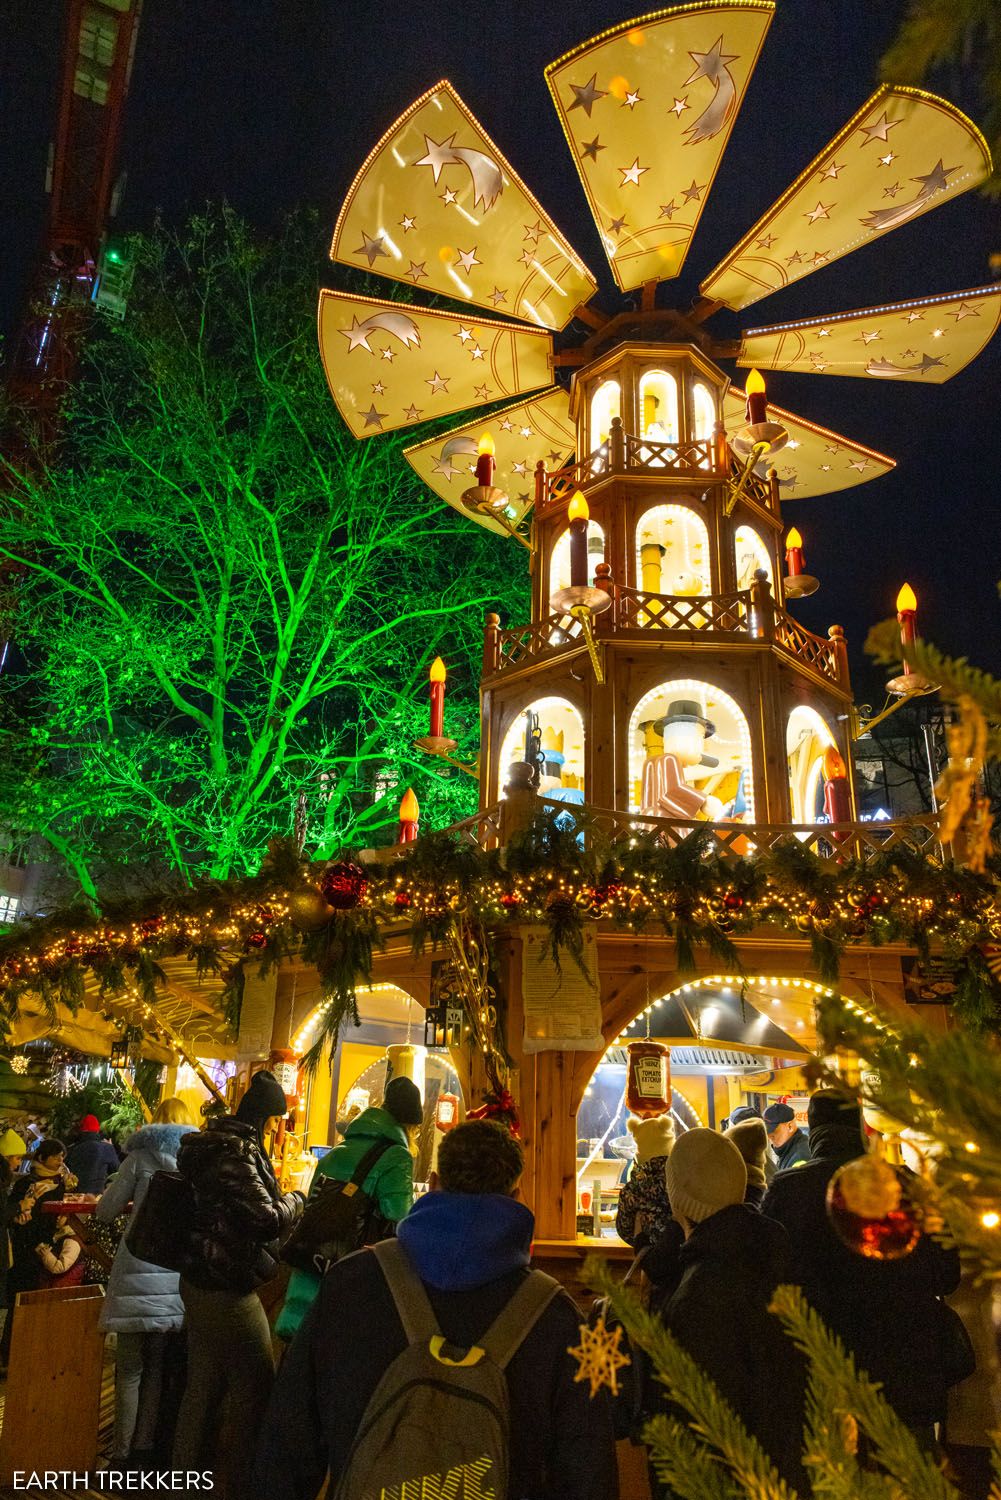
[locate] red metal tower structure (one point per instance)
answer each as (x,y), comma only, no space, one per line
(98,44)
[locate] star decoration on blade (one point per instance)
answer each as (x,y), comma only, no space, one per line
(464,334)
(668,210)
(417,271)
(935,181)
(372,248)
(482,392)
(878,132)
(964,310)
(412,413)
(468,259)
(599,1356)
(374,418)
(448,197)
(822,211)
(586,95)
(590,149)
(437,382)
(438,154)
(767,242)
(497,296)
(711,64)
(833,169)
(693,194)
(616,226)
(631,175)
(378,389)
(679,106)
(631,100)
(407,223)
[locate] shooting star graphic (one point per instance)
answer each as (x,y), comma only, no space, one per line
(713,66)
(398,324)
(485,174)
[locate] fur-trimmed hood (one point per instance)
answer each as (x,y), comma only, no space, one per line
(159,1140)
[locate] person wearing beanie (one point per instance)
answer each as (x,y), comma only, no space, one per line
(644,1212)
(389,1183)
(91,1158)
(731,1262)
(889,1314)
(12,1154)
(788,1140)
(751,1140)
(240,1216)
(13,1150)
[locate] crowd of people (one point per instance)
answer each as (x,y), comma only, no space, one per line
(442,1328)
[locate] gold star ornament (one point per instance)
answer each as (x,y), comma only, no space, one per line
(599,1356)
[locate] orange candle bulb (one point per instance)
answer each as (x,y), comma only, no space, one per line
(578,514)
(907,605)
(409,817)
(437,682)
(795,563)
(757,401)
(485,449)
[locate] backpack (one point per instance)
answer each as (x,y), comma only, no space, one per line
(161,1227)
(340,1218)
(438,1421)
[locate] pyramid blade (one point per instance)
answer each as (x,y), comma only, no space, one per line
(437,206)
(647,108)
(927,339)
(815,461)
(903,153)
(523,433)
(390,364)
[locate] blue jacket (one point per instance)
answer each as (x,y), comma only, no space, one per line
(141,1298)
(92,1159)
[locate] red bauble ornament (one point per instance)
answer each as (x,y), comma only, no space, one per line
(343,885)
(607,891)
(265,915)
(403,901)
(510,901)
(151,926)
(869,1208)
(732,901)
(257,940)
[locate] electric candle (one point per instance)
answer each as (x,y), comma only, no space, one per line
(409,815)
(907,605)
(757,403)
(485,462)
(437,678)
(577,514)
(795,563)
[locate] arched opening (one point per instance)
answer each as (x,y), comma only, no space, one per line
(703,417)
(559,563)
(553,729)
(807,738)
(690,754)
(751,554)
(658,413)
(606,403)
(733,1040)
(672,552)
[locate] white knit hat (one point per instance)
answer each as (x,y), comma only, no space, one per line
(705,1172)
(653,1136)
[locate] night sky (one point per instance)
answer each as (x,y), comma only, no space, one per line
(271,104)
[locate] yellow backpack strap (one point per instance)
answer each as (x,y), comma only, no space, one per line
(412,1305)
(515,1322)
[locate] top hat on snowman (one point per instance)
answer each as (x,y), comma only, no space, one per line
(686,711)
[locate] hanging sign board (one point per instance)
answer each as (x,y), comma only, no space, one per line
(562,1005)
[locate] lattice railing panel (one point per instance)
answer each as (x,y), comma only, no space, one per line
(645,453)
(802,644)
(522,642)
(717,612)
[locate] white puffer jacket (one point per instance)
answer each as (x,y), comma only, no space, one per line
(141,1298)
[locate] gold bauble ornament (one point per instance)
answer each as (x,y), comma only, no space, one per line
(308,910)
(870,1210)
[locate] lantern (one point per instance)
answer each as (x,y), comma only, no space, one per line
(648,1089)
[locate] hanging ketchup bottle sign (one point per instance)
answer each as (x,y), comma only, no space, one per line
(446,1115)
(648,1090)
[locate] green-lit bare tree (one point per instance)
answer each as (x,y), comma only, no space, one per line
(224,604)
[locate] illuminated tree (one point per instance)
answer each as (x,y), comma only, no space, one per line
(226,606)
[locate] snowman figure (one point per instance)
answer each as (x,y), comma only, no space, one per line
(665,791)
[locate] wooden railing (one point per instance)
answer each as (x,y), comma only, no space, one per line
(627,453)
(748,614)
(831,842)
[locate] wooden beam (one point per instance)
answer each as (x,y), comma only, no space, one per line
(648,296)
(702,308)
(592,316)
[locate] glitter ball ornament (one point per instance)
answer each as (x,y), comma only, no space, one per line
(343,885)
(870,1211)
(308,909)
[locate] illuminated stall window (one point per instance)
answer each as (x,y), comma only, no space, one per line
(807,738)
(658,413)
(690,754)
(559,564)
(606,403)
(557,729)
(672,552)
(751,554)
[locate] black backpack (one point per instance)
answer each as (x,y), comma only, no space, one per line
(160,1229)
(438,1422)
(339,1218)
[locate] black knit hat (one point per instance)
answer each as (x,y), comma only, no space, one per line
(265,1097)
(830,1107)
(403,1101)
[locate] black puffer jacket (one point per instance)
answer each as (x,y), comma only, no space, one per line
(240,1214)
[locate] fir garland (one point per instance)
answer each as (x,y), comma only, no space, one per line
(687,892)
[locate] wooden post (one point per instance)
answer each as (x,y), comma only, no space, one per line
(773,491)
(53,1400)
(616,446)
(541,486)
(605,622)
(763,606)
(721,452)
(491,645)
(836,635)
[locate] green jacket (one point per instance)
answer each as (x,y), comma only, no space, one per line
(390,1184)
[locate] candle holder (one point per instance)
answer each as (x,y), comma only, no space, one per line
(753,443)
(911,685)
(442,747)
(799,585)
(582,601)
(488,500)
